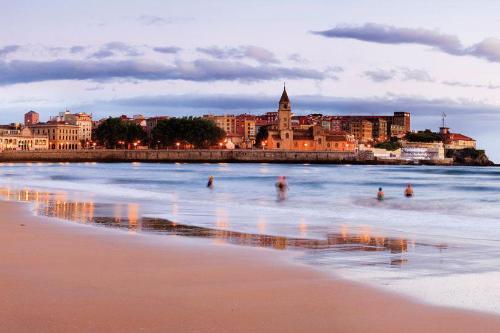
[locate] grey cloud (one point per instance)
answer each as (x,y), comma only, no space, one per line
(415,75)
(470,85)
(76,49)
(8,49)
(404,74)
(303,104)
(488,49)
(114,48)
(22,71)
(167,49)
(386,34)
(245,51)
(380,75)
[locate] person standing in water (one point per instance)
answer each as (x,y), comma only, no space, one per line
(210,183)
(380,194)
(409,191)
(281,187)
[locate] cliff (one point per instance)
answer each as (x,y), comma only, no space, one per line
(469,156)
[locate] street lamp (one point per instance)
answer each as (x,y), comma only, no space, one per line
(220,145)
(178,144)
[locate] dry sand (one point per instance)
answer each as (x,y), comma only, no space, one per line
(60,277)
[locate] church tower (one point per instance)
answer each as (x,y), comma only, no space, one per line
(284,112)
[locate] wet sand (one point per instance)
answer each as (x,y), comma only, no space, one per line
(62,277)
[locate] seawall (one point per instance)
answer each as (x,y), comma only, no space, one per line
(203,156)
(120,155)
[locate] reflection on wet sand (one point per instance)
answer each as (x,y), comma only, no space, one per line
(128,216)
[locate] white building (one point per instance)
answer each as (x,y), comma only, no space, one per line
(416,151)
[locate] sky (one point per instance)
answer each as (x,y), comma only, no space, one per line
(178,58)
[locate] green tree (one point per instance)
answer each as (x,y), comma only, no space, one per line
(389,145)
(423,136)
(262,135)
(113,130)
(199,132)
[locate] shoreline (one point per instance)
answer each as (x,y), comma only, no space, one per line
(208,156)
(60,278)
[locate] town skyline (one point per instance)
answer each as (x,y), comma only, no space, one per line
(358,60)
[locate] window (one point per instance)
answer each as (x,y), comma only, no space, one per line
(287,135)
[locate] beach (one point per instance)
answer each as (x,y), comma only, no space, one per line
(63,277)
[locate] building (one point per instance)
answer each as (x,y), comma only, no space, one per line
(31,118)
(362,129)
(417,151)
(283,136)
(397,131)
(25,139)
(402,119)
(379,130)
(84,123)
(61,135)
(226,122)
(456,140)
(246,129)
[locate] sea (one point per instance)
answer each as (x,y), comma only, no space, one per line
(441,246)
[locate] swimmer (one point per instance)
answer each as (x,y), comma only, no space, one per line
(210,183)
(380,194)
(409,191)
(281,187)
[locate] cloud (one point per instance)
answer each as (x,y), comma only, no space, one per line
(419,75)
(256,53)
(115,48)
(152,20)
(8,49)
(470,85)
(403,74)
(167,49)
(76,49)
(295,57)
(386,34)
(24,71)
(488,49)
(303,104)
(380,75)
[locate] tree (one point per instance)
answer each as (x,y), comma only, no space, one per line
(393,144)
(262,135)
(113,130)
(424,136)
(199,132)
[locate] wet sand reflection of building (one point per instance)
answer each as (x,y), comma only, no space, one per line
(128,216)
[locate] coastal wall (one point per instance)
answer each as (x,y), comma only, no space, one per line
(110,155)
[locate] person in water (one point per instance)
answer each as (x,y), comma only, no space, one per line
(281,187)
(409,191)
(210,183)
(380,194)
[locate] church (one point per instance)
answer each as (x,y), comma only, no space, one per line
(283,136)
